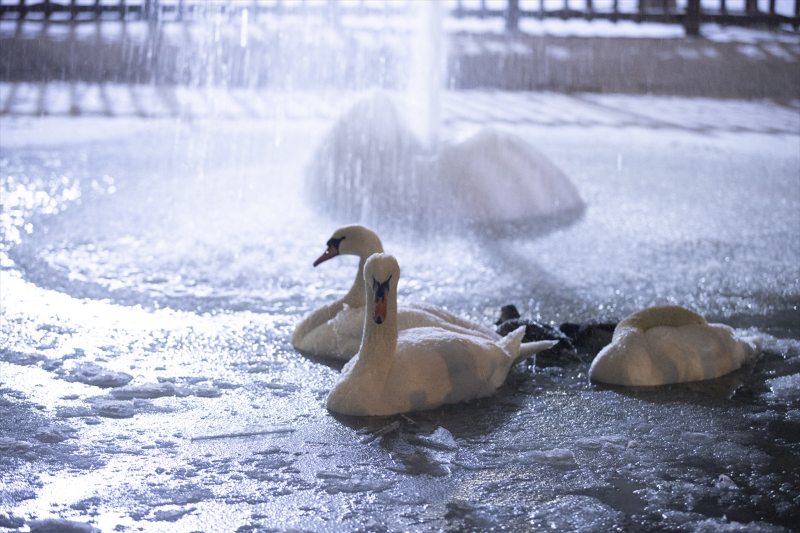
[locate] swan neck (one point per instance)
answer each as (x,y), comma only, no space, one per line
(357,295)
(379,340)
(368,244)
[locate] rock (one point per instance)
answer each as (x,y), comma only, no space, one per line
(589,338)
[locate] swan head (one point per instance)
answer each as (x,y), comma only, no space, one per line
(381,273)
(351,240)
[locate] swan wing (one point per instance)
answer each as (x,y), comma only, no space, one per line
(338,337)
(434,366)
(417,314)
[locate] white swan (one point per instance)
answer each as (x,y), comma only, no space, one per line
(493,179)
(420,368)
(670,344)
(497,176)
(335,330)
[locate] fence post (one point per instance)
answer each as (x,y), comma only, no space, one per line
(796,13)
(692,21)
(512,15)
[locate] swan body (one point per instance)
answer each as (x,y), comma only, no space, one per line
(670,344)
(419,368)
(497,176)
(335,330)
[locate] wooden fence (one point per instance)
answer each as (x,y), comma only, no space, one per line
(690,15)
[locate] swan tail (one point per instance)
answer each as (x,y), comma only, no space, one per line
(529,349)
(518,350)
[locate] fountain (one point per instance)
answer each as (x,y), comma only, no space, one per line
(383,167)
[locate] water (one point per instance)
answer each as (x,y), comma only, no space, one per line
(186,262)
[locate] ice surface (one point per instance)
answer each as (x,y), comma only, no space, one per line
(193,273)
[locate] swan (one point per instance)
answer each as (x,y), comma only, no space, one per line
(499,177)
(419,368)
(670,344)
(494,179)
(335,330)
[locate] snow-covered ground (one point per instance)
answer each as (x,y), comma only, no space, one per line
(175,252)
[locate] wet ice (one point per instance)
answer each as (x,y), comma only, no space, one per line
(546,446)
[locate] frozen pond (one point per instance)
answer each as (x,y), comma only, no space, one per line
(178,253)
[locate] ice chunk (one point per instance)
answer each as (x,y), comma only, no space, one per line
(94,374)
(335,486)
(329,474)
(171,515)
(247,432)
(785,388)
(11,521)
(726,483)
(577,513)
(420,464)
(560,457)
(114,409)
(52,435)
(74,412)
(720,525)
(146,390)
(441,439)
(589,443)
(21,358)
(793,415)
(207,392)
(11,445)
(59,525)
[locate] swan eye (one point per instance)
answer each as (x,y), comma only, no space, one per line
(335,242)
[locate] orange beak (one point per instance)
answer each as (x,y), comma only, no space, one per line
(331,252)
(379,314)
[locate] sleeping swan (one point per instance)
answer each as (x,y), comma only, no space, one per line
(420,368)
(335,330)
(670,344)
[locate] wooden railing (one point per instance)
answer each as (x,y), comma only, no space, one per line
(691,15)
